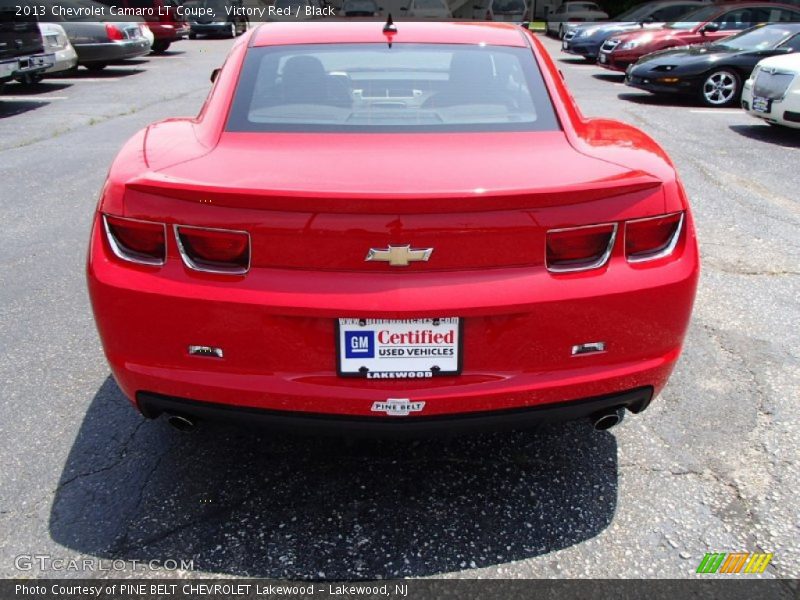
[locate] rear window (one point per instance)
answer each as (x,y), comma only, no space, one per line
(405,88)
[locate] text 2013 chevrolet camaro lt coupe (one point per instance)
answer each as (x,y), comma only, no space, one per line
(387,227)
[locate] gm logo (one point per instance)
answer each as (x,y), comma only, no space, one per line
(359,344)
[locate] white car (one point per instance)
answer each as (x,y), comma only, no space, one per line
(571,14)
(428,9)
(773,91)
(57,42)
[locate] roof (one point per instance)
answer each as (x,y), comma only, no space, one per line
(321,32)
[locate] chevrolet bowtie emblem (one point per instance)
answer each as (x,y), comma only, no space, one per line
(399,256)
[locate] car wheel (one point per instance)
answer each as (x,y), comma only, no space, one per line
(561,32)
(192,36)
(720,88)
(160,46)
(30,78)
(96,66)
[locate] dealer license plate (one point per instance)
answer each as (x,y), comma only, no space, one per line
(399,349)
(761,104)
(603,58)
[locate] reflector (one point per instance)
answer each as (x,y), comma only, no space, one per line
(652,238)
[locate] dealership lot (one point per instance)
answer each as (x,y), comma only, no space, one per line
(710,467)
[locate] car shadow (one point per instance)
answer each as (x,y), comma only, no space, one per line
(648,99)
(112,71)
(166,53)
(612,77)
(42,87)
(782,136)
(11,108)
(263,504)
(573,60)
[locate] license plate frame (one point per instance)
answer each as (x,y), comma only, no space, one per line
(385,367)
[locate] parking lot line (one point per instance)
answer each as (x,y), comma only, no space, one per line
(87,79)
(717,111)
(32,98)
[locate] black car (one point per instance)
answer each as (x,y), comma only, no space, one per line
(215,17)
(713,72)
(21,44)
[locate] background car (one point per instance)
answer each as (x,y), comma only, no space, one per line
(708,24)
(500,10)
(22,49)
(713,72)
(427,9)
(57,42)
(571,13)
(360,8)
(163,19)
(225,18)
(99,41)
(585,40)
(772,93)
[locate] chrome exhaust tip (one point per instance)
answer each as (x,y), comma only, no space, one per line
(182,423)
(605,420)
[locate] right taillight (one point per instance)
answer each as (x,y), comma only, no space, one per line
(579,248)
(653,237)
(133,240)
(113,32)
(214,250)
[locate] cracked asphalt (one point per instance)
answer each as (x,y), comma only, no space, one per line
(712,466)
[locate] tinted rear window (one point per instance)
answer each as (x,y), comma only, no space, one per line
(405,88)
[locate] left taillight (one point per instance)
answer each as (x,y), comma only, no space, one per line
(136,241)
(579,248)
(214,250)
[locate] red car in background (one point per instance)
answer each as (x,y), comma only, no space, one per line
(396,228)
(708,24)
(163,18)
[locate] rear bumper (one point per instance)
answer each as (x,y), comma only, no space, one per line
(783,111)
(111,51)
(277,329)
(37,63)
(153,405)
(169,32)
(8,68)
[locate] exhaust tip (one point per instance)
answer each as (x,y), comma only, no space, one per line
(605,420)
(181,423)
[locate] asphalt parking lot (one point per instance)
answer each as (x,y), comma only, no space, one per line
(712,466)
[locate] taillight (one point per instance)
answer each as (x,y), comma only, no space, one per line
(579,248)
(653,237)
(113,32)
(214,250)
(142,242)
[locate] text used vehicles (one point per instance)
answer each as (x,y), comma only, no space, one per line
(772,92)
(708,24)
(713,72)
(273,258)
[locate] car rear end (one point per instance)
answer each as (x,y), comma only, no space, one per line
(57,42)
(101,43)
(382,274)
(22,51)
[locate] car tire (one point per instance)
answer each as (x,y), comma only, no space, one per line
(160,46)
(30,78)
(94,67)
(720,88)
(561,32)
(192,36)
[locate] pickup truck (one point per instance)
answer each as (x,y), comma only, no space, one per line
(21,45)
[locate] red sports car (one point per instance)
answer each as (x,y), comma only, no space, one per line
(396,228)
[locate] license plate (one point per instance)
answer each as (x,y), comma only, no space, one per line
(761,104)
(399,349)
(603,58)
(564,45)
